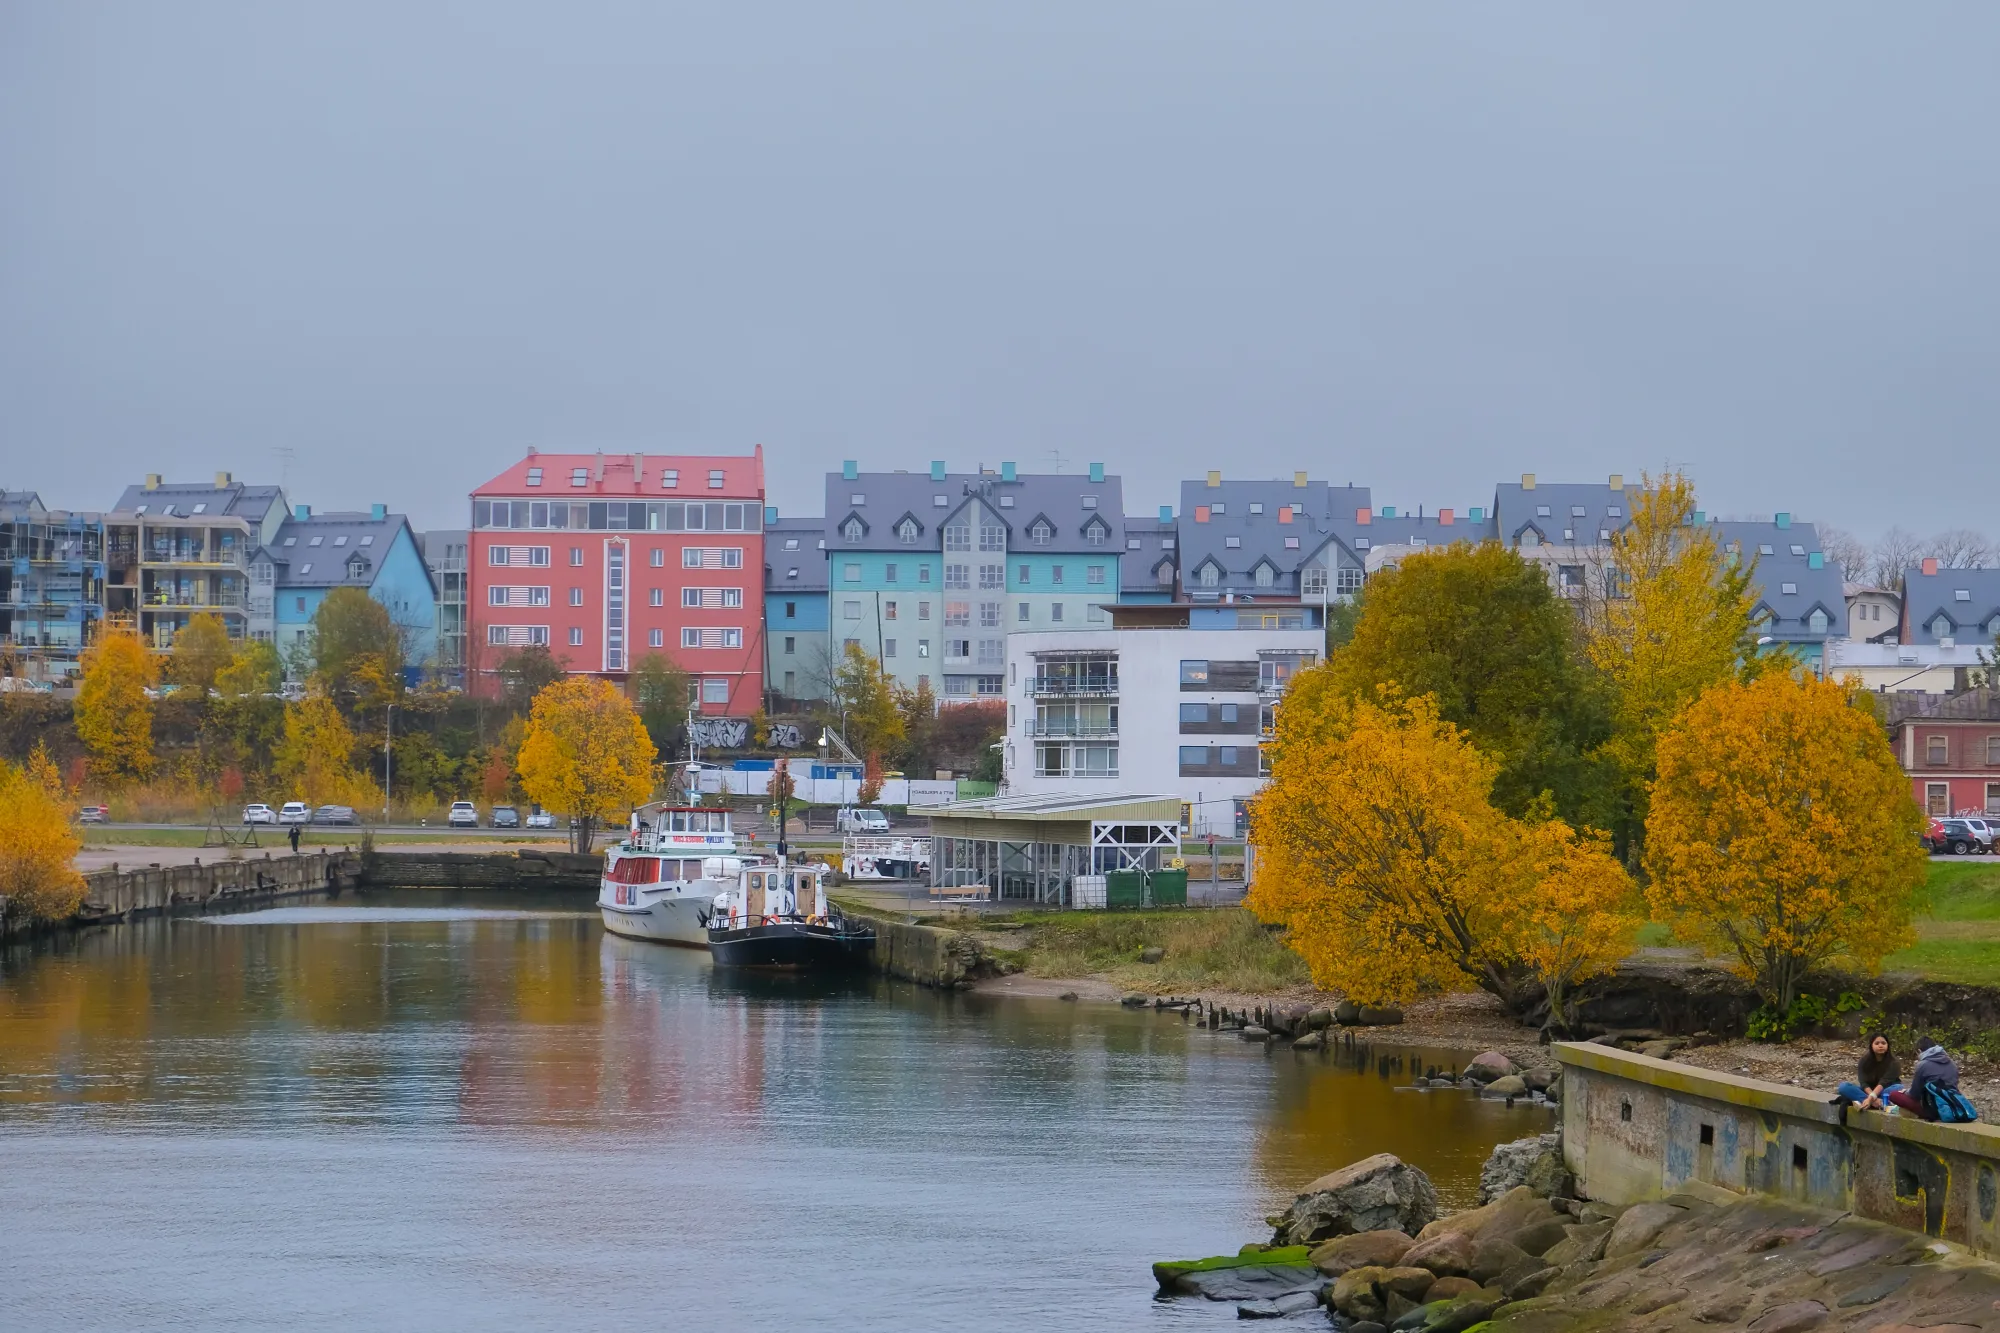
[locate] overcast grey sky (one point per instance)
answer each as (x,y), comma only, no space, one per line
(1423,247)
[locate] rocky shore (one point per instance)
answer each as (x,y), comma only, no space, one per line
(1363,1249)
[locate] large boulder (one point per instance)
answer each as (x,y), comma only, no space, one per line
(1367,1293)
(1510,1085)
(1639,1225)
(1365,1249)
(1580,1244)
(1448,1254)
(1535,1162)
(1375,1193)
(1486,1067)
(1255,1274)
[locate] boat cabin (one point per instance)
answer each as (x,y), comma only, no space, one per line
(772,891)
(673,828)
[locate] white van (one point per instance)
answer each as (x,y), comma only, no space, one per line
(860,819)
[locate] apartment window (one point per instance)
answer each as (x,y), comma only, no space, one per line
(1941,627)
(1937,799)
(958,615)
(1041,532)
(888,647)
(655,638)
(732,638)
(850,573)
(1993,798)
(791,610)
(853,529)
(958,577)
(1056,575)
(1937,750)
(958,536)
(923,573)
(1093,574)
(576,597)
(1094,613)
(1228,712)
(850,609)
(791,683)
(958,650)
(923,647)
(889,573)
(992,536)
(689,597)
(690,637)
(888,610)
(1021,612)
(670,479)
(1194,673)
(1226,756)
(992,652)
(1194,756)
(1055,612)
(715,690)
(1264,577)
(791,644)
(1816,622)
(1095,532)
(575,556)
(1993,750)
(657,557)
(923,610)
(1194,713)
(1024,576)
(299,604)
(989,615)
(1347,580)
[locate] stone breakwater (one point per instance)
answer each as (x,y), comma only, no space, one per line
(1363,1245)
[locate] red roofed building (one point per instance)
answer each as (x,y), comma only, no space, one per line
(604,558)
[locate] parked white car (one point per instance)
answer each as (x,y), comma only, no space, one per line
(540,818)
(258,813)
(295,812)
(464,814)
(860,819)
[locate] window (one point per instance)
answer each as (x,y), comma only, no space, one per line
(850,609)
(298,604)
(657,558)
(1256,506)
(368,540)
(1312,582)
(888,647)
(1993,798)
(1226,756)
(906,532)
(1093,574)
(315,541)
(1208,575)
(1264,576)
(689,596)
(1232,543)
(1993,750)
(715,690)
(889,573)
(1219,508)
(1937,750)
(957,615)
(1765,549)
(992,576)
(1094,534)
(1228,712)
(989,615)
(958,650)
(1024,576)
(690,637)
(1021,613)
(958,577)
(1194,756)
(517,636)
(888,610)
(992,536)
(715,479)
(992,652)
(941,502)
(1055,612)
(1291,543)
(306,568)
(1194,673)
(1094,613)
(853,529)
(670,479)
(850,573)
(923,647)
(1541,511)
(1961,595)
(732,638)
(575,556)
(576,597)
(1056,575)
(791,644)
(655,638)
(1788,589)
(1041,532)
(923,610)
(1195,713)
(958,536)
(579,476)
(1941,627)
(923,573)
(1816,622)
(501,595)
(1131,543)
(1937,799)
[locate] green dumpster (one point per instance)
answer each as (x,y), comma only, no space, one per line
(1124,888)
(1169,888)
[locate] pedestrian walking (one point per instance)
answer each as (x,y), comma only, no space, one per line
(295,839)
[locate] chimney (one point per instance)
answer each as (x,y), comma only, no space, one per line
(1782,520)
(1214,480)
(849,470)
(1476,514)
(1097,472)
(937,469)
(598,475)
(222,481)
(1527,481)
(302,512)
(152,481)
(1930,565)
(1816,560)
(378,512)
(1617,481)
(1299,480)
(1006,472)
(638,471)
(1363,517)
(1388,511)
(531,451)
(1445,517)
(1166,513)
(770,515)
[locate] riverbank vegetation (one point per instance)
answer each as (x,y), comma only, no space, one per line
(1492,784)
(1223,949)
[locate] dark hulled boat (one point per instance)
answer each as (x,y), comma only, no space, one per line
(778,917)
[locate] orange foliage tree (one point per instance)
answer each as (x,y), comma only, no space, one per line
(114,716)
(1783,831)
(1565,909)
(586,754)
(38,842)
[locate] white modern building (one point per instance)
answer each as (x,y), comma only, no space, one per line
(1908,668)
(1169,698)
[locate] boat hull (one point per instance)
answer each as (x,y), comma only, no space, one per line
(792,946)
(667,918)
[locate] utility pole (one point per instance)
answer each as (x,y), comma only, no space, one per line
(388,740)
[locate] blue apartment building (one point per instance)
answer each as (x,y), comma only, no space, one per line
(798,659)
(312,554)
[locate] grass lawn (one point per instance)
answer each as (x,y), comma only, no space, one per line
(1958,929)
(1214,948)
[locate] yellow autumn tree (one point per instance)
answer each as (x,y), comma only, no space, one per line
(585,754)
(1783,832)
(1564,908)
(114,717)
(200,653)
(38,843)
(1679,617)
(1375,838)
(315,757)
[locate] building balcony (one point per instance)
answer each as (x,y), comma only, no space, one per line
(1059,687)
(167,601)
(1071,731)
(191,558)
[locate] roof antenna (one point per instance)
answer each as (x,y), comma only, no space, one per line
(1057,455)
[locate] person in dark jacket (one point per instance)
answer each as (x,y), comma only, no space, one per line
(1933,1066)
(1875,1077)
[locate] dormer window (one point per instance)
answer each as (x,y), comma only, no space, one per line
(1816,622)
(1209,575)
(1264,576)
(853,529)
(355,566)
(534,476)
(1941,627)
(1096,531)
(906,532)
(1041,532)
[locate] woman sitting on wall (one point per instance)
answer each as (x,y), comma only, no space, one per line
(1875,1078)
(1936,1070)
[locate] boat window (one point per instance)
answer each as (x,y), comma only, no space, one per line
(680,821)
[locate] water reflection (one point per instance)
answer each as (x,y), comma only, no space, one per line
(499,1104)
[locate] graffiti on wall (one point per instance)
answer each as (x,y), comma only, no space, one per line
(786,736)
(721,733)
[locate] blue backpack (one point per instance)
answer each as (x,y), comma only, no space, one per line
(1948,1105)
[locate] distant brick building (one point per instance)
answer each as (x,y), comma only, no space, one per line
(605,558)
(1951,750)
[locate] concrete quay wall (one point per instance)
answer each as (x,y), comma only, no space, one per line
(1636,1128)
(928,955)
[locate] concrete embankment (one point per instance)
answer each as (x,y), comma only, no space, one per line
(928,955)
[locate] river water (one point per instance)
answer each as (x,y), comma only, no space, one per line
(390,1114)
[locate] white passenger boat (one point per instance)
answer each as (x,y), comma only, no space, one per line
(660,882)
(871,858)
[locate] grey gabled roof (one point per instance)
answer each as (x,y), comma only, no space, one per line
(1604,510)
(1789,563)
(1927,596)
(1411,530)
(886,496)
(808,559)
(249,503)
(1318,511)
(1157,540)
(21,502)
(340,536)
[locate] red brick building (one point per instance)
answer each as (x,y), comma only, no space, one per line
(604,558)
(1951,751)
